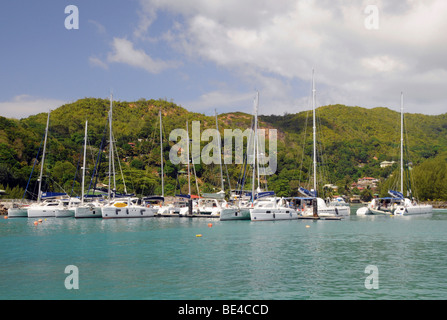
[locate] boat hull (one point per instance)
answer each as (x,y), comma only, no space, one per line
(41,212)
(413,210)
(88,212)
(380,212)
(17,212)
(64,213)
(112,212)
(273,214)
(235,214)
(363,211)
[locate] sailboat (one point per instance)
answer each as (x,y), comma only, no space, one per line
(319,207)
(21,209)
(158,201)
(51,206)
(85,209)
(408,206)
(265,205)
(244,200)
(125,206)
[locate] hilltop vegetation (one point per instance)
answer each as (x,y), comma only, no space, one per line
(352,142)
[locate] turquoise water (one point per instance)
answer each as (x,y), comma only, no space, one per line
(161,258)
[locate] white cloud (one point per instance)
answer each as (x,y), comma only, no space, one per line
(94,61)
(100,29)
(22,106)
(285,41)
(222,100)
(124,52)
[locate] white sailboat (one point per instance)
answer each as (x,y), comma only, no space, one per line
(21,209)
(125,207)
(86,209)
(272,209)
(240,210)
(408,206)
(319,208)
(266,208)
(47,208)
(211,204)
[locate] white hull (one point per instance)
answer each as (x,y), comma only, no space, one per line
(64,213)
(235,214)
(327,211)
(112,212)
(363,211)
(42,212)
(209,211)
(273,214)
(380,212)
(413,210)
(88,212)
(18,212)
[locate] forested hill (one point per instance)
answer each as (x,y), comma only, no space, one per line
(353,141)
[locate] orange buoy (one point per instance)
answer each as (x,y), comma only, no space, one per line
(36,223)
(6,217)
(210,225)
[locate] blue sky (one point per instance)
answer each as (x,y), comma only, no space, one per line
(207,55)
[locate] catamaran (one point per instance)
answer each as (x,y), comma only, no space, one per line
(272,209)
(407,206)
(91,209)
(319,207)
(396,204)
(125,206)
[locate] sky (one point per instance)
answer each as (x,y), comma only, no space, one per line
(214,55)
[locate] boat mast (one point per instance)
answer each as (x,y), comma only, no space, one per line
(83,166)
(314,134)
(402,143)
(220,153)
(161,156)
(110,147)
(187,161)
(39,195)
(255,139)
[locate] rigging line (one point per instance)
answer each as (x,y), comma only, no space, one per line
(32,170)
(97,167)
(76,174)
(304,145)
(119,164)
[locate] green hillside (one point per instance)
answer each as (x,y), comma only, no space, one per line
(353,141)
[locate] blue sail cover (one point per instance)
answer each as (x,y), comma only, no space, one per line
(308,193)
(185,196)
(264,194)
(396,194)
(49,195)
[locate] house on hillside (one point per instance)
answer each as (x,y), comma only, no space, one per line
(364,183)
(385,164)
